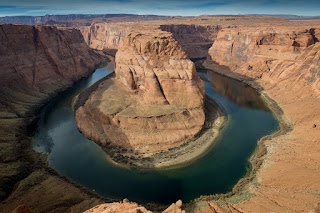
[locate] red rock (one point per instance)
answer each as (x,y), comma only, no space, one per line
(156,101)
(36,62)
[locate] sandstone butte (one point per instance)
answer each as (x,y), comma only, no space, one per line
(156,101)
(277,56)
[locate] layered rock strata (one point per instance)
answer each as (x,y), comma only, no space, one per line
(156,101)
(194,39)
(276,54)
(107,37)
(36,62)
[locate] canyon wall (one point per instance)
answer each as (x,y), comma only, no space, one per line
(275,54)
(36,62)
(105,36)
(194,39)
(157,97)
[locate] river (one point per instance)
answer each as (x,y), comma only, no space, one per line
(81,160)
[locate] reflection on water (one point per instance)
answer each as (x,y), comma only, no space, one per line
(80,159)
(236,91)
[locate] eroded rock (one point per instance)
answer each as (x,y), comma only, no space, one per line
(156,101)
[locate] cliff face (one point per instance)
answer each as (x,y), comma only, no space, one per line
(276,54)
(156,101)
(104,36)
(194,39)
(37,61)
(156,65)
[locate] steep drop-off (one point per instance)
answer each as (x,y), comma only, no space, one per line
(156,101)
(36,62)
(105,36)
(194,39)
(269,53)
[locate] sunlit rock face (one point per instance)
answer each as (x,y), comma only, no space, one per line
(155,64)
(155,102)
(102,36)
(276,54)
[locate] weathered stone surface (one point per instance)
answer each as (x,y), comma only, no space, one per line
(273,53)
(175,208)
(156,101)
(118,207)
(127,206)
(102,36)
(36,62)
(194,39)
(155,64)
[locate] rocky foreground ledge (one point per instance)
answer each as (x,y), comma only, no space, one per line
(155,103)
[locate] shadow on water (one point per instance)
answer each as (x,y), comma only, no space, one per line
(80,159)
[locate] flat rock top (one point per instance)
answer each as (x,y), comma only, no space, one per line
(112,97)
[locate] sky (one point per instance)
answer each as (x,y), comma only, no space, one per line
(164,7)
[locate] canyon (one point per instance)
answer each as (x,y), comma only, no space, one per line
(282,63)
(36,63)
(278,57)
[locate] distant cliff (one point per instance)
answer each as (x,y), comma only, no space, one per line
(194,39)
(105,36)
(70,17)
(274,54)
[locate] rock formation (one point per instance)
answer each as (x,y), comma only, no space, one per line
(280,56)
(127,207)
(102,36)
(36,62)
(277,54)
(156,101)
(194,39)
(123,207)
